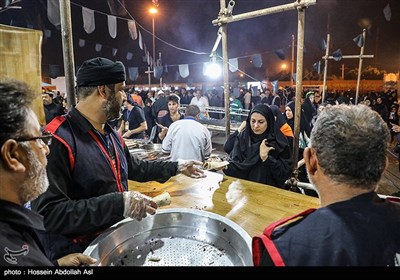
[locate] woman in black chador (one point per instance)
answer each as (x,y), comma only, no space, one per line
(260,152)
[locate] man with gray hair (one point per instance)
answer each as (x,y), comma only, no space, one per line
(187,138)
(24,148)
(354,226)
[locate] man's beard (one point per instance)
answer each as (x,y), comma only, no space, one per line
(37,181)
(112,108)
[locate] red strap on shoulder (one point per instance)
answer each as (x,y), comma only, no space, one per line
(268,243)
(393,199)
(55,124)
(52,127)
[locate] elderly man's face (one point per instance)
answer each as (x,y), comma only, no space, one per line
(36,181)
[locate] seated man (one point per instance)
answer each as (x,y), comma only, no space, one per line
(354,226)
(187,138)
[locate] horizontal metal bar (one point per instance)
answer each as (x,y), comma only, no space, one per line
(221,110)
(268,11)
(352,56)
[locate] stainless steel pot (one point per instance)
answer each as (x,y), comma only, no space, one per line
(174,237)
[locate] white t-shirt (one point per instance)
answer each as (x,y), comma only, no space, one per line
(202,103)
(187,139)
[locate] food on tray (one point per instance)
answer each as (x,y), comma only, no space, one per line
(131,144)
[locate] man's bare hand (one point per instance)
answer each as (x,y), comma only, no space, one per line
(191,168)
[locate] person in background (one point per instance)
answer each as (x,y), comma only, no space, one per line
(354,226)
(148,116)
(381,108)
(304,137)
(133,124)
(23,177)
(247,99)
(317,100)
(58,99)
(172,116)
(305,129)
(137,98)
(51,109)
(187,138)
(215,100)
(150,95)
(184,95)
(396,129)
(89,165)
(308,109)
(267,98)
(200,101)
(260,152)
(160,106)
(235,107)
(276,99)
(282,124)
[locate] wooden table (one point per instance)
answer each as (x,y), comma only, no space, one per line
(251,205)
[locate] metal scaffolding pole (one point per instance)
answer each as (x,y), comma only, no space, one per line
(292,67)
(68,51)
(360,65)
(225,16)
(299,4)
(328,40)
(360,56)
(299,88)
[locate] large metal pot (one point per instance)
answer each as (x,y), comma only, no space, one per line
(174,237)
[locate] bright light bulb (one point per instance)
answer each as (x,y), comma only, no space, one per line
(213,70)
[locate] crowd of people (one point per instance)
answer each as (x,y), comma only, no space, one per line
(66,183)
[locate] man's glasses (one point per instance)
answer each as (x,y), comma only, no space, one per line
(317,95)
(44,139)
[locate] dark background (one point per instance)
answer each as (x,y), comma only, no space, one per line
(188,24)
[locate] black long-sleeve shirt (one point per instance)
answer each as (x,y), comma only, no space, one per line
(87,174)
(19,243)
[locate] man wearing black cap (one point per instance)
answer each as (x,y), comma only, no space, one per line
(89,165)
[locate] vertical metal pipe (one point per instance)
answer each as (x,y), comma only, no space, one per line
(328,40)
(149,75)
(292,68)
(299,89)
(154,43)
(360,65)
(68,51)
(224,33)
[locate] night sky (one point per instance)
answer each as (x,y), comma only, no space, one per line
(188,24)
